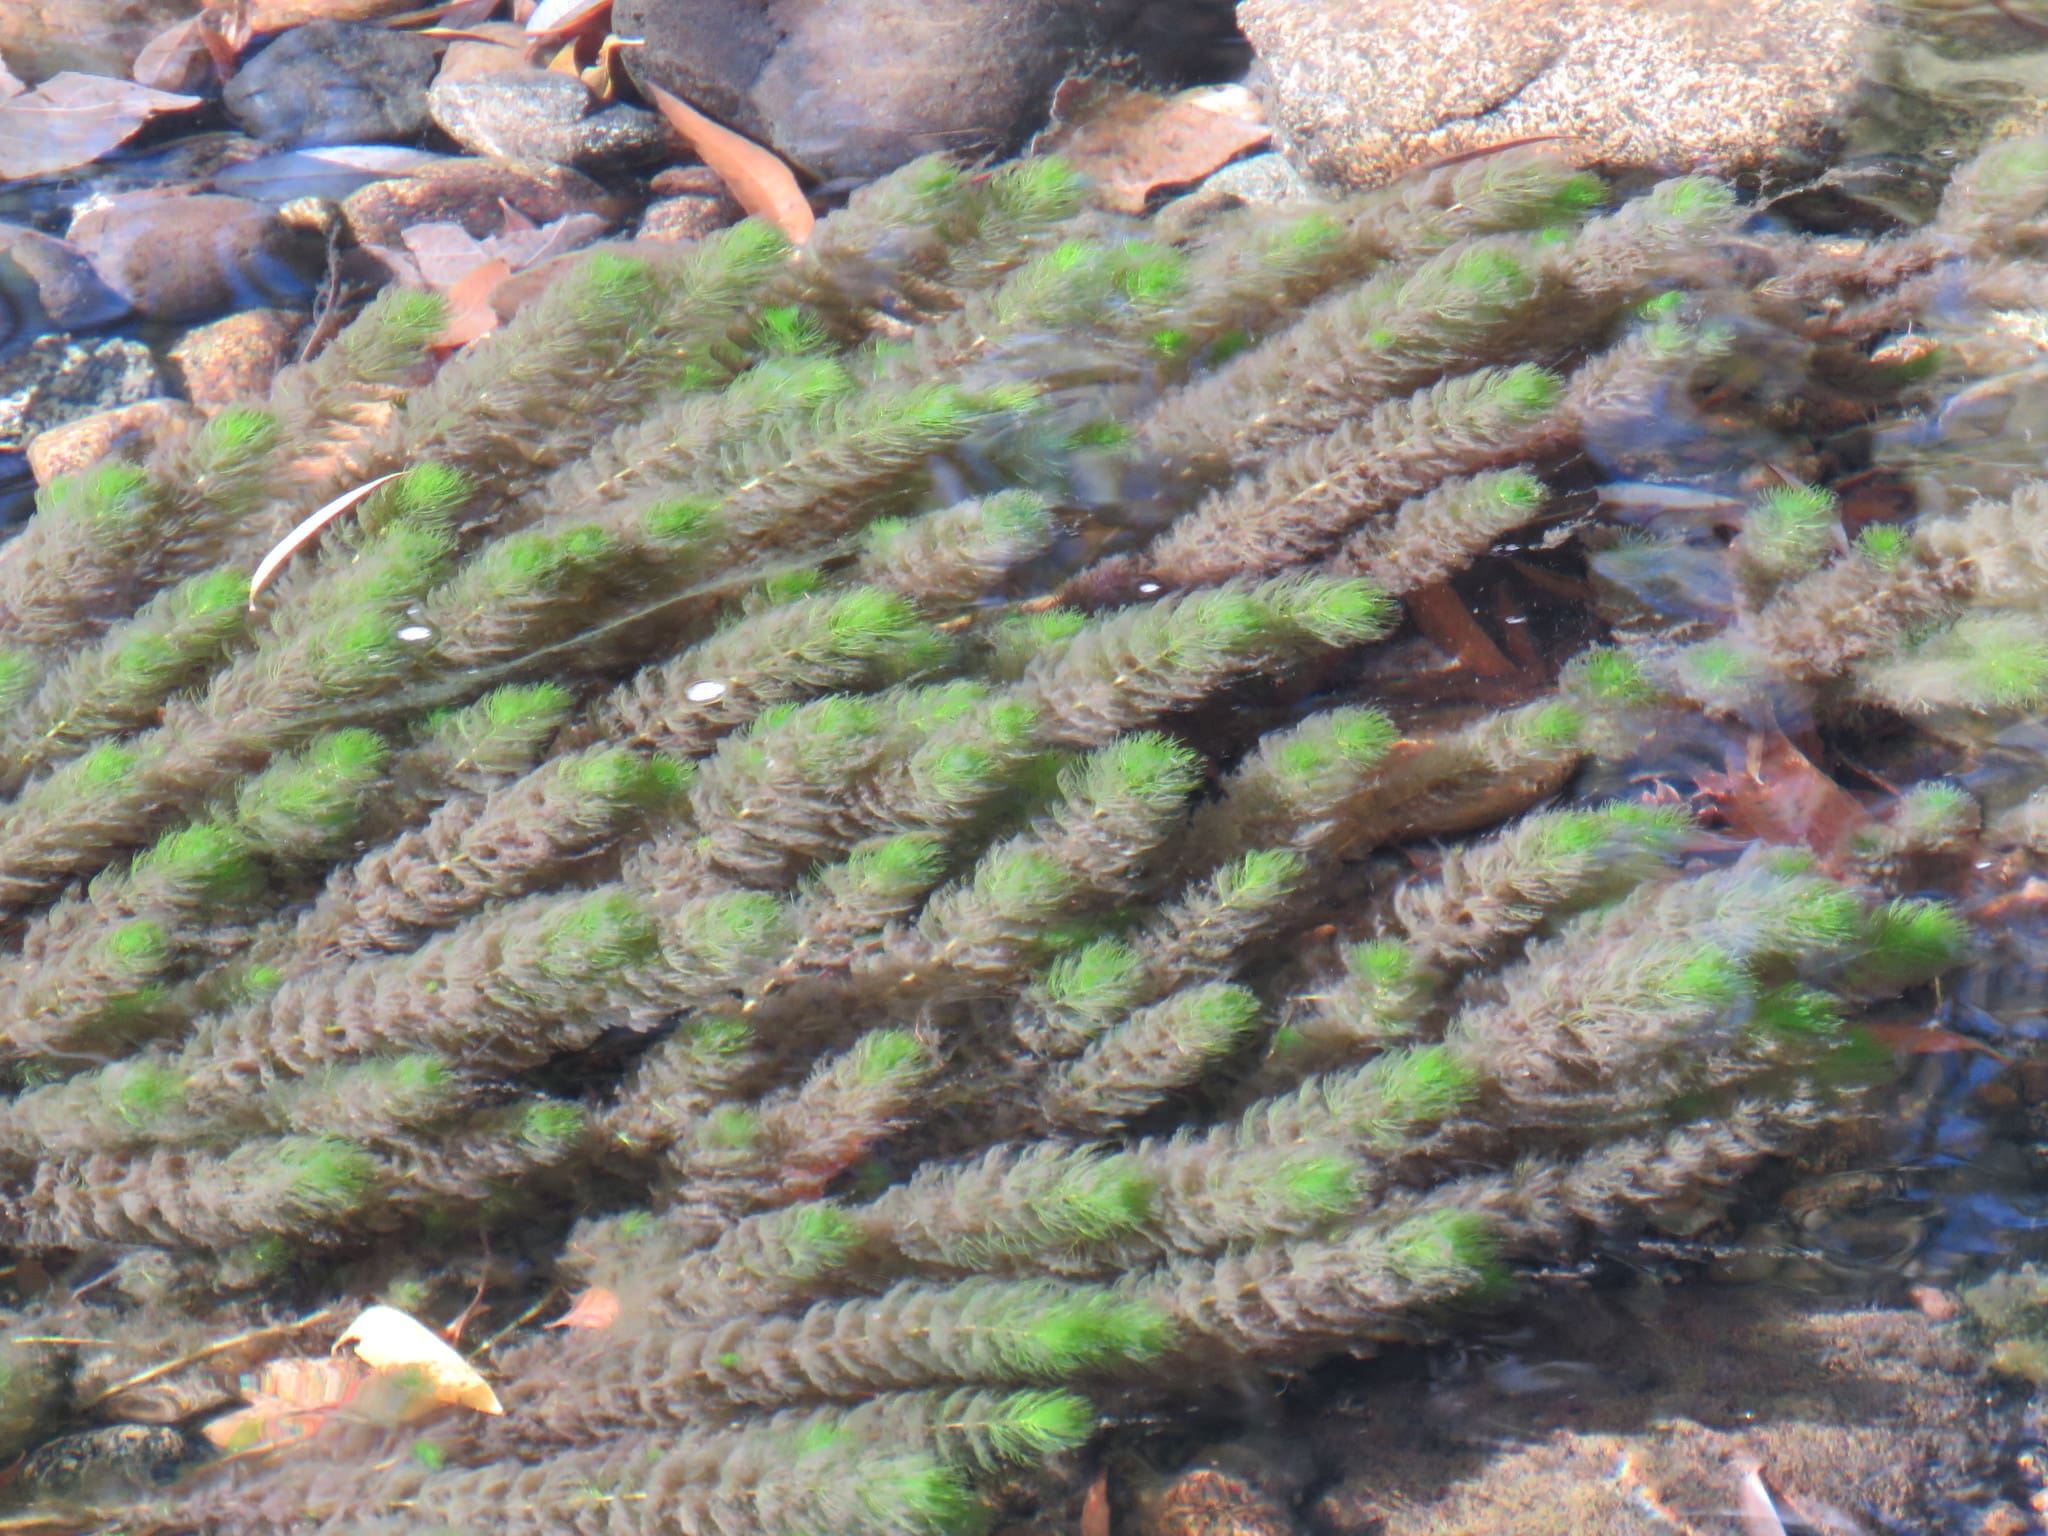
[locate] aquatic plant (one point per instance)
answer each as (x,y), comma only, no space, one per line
(727,818)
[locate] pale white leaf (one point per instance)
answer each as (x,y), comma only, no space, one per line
(563,15)
(385,1339)
(290,544)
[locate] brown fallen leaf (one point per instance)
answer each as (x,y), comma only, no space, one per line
(1777,795)
(387,1340)
(759,180)
(473,273)
(1131,144)
(592,1308)
(72,119)
(1095,1507)
(603,78)
(284,1401)
(176,59)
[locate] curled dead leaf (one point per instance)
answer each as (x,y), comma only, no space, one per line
(386,1340)
(592,1308)
(759,180)
(1130,144)
(310,525)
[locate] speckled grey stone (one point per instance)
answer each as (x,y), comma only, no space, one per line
(1362,93)
(534,114)
(56,379)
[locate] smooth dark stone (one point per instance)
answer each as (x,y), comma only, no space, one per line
(858,87)
(334,83)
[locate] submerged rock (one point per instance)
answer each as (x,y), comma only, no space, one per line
(858,87)
(111,1459)
(40,38)
(334,83)
(190,258)
(235,358)
(474,194)
(57,379)
(48,284)
(127,429)
(1362,93)
(533,114)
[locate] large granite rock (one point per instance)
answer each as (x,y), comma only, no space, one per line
(1363,92)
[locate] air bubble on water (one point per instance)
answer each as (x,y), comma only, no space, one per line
(704,692)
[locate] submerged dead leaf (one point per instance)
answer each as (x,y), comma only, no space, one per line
(72,119)
(176,59)
(386,1340)
(759,181)
(308,526)
(1755,1507)
(1095,1507)
(592,1308)
(1131,144)
(557,16)
(1777,795)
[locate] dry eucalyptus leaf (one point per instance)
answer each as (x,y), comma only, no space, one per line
(386,1340)
(72,119)
(308,526)
(592,1308)
(759,180)
(176,59)
(1130,144)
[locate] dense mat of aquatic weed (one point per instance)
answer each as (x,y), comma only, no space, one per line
(739,786)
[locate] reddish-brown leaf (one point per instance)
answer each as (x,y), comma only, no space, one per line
(1095,1507)
(592,1308)
(1777,795)
(1131,144)
(757,177)
(1927,1040)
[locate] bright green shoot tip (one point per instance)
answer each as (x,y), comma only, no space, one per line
(891,1059)
(914,1494)
(1058,1340)
(1884,544)
(1029,1427)
(1611,676)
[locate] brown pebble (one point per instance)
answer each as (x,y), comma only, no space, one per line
(1204,1501)
(128,429)
(2003,1520)
(233,359)
(472,193)
(683,180)
(1935,1304)
(690,217)
(468,57)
